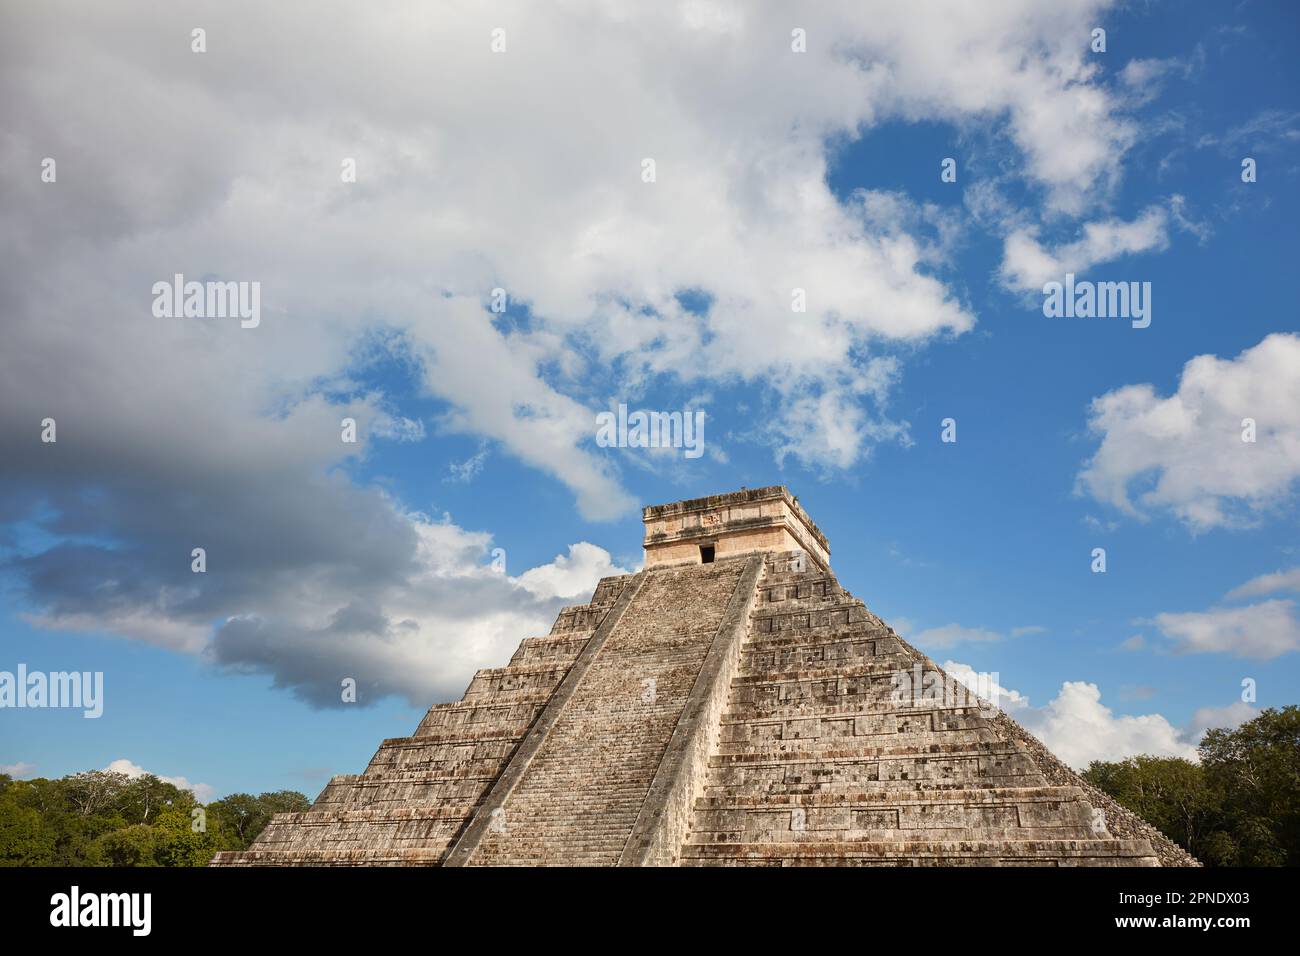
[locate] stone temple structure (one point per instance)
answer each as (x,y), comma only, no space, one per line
(730,704)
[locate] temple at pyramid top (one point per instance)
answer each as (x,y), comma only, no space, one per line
(702,530)
(730,704)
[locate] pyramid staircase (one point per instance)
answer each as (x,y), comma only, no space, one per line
(729,705)
(817,764)
(418,792)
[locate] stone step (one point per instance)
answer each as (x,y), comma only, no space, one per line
(885,834)
(824,650)
(882,742)
(584,787)
(836,716)
(469,736)
(482,717)
(1050,852)
(866,749)
(501,684)
(580,617)
(999,813)
(879,670)
(553,648)
(256,856)
(450,811)
(810,590)
(875,798)
(835,774)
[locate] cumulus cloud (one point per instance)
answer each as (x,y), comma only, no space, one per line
(467,193)
(1027,265)
(17,770)
(1079,728)
(570,576)
(1185,453)
(1288,580)
(421,638)
(1261,631)
(202,792)
(986,685)
(475,171)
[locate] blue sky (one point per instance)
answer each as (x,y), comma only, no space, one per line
(478,429)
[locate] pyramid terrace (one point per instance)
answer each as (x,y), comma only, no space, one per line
(728,705)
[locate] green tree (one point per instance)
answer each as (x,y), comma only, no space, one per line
(1240,806)
(108,819)
(24,840)
(1255,769)
(134,845)
(1168,792)
(246,815)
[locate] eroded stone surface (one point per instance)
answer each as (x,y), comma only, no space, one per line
(738,712)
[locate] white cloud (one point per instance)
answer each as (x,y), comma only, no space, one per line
(1079,728)
(398,428)
(1027,265)
(1144,78)
(574,575)
(475,171)
(202,791)
(1288,580)
(1140,73)
(469,469)
(1185,453)
(950,634)
(1261,631)
(1028,629)
(468,185)
(1215,718)
(17,770)
(421,638)
(986,685)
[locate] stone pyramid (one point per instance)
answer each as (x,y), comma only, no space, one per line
(730,704)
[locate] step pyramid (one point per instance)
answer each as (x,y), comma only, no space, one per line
(729,705)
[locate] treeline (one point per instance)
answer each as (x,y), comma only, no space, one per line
(1240,806)
(109,819)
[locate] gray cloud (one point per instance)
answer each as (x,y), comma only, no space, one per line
(475,171)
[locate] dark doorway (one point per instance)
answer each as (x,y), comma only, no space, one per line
(706,554)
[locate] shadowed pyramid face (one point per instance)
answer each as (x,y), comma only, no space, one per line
(730,704)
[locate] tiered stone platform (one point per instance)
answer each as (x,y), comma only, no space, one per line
(729,705)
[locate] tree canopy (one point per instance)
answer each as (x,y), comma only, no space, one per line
(102,818)
(1239,806)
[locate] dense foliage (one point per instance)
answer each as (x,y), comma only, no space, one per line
(1240,806)
(109,819)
